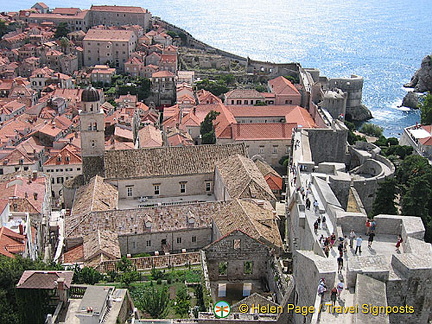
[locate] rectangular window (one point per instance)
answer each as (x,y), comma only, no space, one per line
(156,189)
(182,187)
(129,191)
(148,243)
(193,239)
(287,149)
(223,266)
(275,149)
(248,267)
(208,186)
(178,240)
(133,245)
(261,149)
(236,244)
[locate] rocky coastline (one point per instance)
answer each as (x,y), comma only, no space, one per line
(421,82)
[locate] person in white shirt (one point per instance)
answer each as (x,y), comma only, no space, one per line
(352,236)
(358,244)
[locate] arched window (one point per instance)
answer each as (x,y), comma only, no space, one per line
(94,126)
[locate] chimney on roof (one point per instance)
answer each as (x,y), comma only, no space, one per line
(34,174)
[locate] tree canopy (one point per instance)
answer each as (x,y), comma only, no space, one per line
(426,109)
(207,130)
(62,30)
(152,300)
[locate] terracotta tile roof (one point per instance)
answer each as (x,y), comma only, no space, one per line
(301,117)
(259,222)
(244,93)
(150,136)
(242,178)
(74,255)
(101,241)
(273,179)
(167,161)
(11,242)
(254,299)
(123,133)
(30,146)
(43,5)
(50,130)
(266,168)
(206,97)
(143,220)
(426,141)
(66,11)
(282,86)
(16,157)
(64,157)
(262,131)
(108,35)
(97,195)
(114,8)
(11,107)
(21,193)
(117,145)
(32,279)
(163,74)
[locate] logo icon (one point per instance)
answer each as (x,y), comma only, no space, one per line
(221,309)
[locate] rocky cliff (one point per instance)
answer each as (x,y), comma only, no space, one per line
(422,79)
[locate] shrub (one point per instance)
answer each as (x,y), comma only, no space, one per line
(371,130)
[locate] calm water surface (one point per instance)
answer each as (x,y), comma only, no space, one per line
(383,41)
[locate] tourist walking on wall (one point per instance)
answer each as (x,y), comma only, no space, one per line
(316,227)
(345,243)
(371,238)
(327,251)
(352,236)
(373,226)
(340,264)
(398,244)
(332,239)
(333,295)
(368,226)
(308,203)
(324,224)
(316,204)
(340,287)
(322,288)
(358,244)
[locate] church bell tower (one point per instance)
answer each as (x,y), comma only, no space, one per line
(92,134)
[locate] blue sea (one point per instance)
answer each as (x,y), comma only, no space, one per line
(384,41)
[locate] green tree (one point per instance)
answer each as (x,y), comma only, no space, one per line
(130,276)
(125,264)
(385,198)
(182,302)
(62,30)
(371,129)
(152,300)
(415,202)
(207,130)
(86,275)
(3,28)
(426,109)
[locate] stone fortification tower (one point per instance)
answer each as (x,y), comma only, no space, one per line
(353,88)
(92,134)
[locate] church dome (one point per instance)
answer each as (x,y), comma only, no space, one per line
(90,94)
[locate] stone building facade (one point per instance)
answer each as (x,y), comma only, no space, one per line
(103,45)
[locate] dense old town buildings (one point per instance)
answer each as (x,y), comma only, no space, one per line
(92,169)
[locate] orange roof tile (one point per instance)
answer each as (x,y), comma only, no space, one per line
(281,85)
(262,131)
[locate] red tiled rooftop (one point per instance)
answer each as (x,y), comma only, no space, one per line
(262,131)
(114,8)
